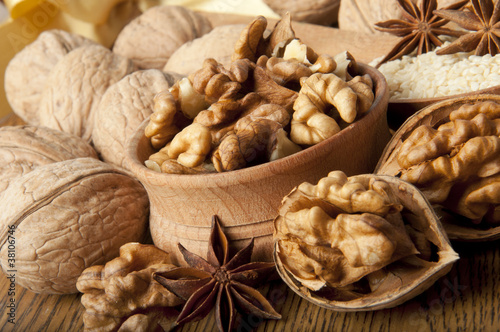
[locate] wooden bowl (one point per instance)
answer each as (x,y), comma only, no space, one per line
(399,110)
(247,200)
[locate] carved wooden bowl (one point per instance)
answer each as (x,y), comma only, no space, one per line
(246,200)
(399,110)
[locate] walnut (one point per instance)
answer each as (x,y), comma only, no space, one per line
(323,12)
(122,109)
(359,243)
(451,152)
(310,124)
(27,73)
(253,138)
(163,123)
(25,147)
(150,39)
(68,216)
(75,87)
(189,57)
(251,43)
(191,146)
(123,296)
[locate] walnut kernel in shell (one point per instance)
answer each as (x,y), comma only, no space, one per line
(364,242)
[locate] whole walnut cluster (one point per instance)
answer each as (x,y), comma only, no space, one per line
(275,98)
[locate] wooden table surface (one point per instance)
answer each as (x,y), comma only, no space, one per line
(466,299)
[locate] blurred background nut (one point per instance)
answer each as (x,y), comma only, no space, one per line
(324,12)
(76,85)
(150,39)
(363,242)
(189,57)
(23,148)
(27,73)
(69,215)
(451,152)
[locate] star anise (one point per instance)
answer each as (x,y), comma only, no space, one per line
(482,19)
(419,28)
(220,281)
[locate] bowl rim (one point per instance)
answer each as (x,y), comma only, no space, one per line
(261,171)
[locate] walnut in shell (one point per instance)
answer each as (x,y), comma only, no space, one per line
(451,151)
(217,44)
(67,216)
(25,147)
(123,296)
(75,87)
(323,12)
(27,73)
(150,39)
(122,109)
(363,242)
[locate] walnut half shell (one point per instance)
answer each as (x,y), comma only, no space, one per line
(359,243)
(451,151)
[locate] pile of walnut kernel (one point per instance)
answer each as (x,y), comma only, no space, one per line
(276,98)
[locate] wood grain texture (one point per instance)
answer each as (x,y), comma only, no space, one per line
(466,299)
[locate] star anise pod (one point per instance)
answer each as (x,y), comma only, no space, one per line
(419,28)
(482,19)
(220,282)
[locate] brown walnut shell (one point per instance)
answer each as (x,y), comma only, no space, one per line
(122,109)
(75,87)
(27,73)
(457,227)
(403,279)
(63,217)
(150,39)
(218,44)
(323,12)
(25,147)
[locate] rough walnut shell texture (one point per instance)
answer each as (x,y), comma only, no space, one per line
(150,39)
(75,87)
(122,109)
(387,287)
(218,44)
(27,73)
(23,148)
(361,15)
(68,216)
(323,12)
(463,159)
